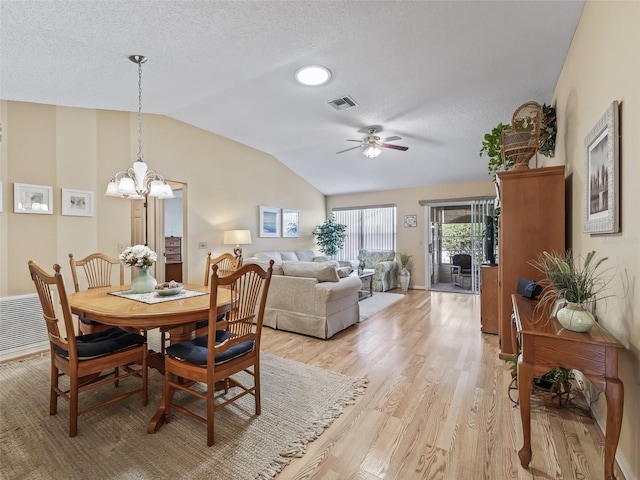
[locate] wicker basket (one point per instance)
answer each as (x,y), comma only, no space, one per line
(522,141)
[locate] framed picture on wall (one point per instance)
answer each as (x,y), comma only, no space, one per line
(269,222)
(290,223)
(410,221)
(36,199)
(78,203)
(601,175)
(0,196)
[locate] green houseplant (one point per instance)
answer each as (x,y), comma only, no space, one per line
(330,236)
(492,148)
(575,283)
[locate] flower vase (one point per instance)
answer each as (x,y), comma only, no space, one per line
(144,282)
(575,317)
(403,277)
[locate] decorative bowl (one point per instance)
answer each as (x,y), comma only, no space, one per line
(166,289)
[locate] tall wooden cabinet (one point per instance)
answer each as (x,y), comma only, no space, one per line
(532,220)
(489,299)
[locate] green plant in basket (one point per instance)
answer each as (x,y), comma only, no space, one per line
(492,148)
(330,236)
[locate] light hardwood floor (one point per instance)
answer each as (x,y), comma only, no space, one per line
(436,406)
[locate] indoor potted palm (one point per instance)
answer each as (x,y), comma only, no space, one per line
(573,286)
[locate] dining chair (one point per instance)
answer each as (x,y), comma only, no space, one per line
(97,268)
(89,361)
(231,346)
(227,263)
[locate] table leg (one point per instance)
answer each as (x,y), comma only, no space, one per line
(614,392)
(371,286)
(525,377)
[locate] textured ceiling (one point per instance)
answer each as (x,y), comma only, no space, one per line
(439,74)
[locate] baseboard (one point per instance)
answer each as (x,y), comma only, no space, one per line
(625,468)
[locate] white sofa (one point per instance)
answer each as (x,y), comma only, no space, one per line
(309,297)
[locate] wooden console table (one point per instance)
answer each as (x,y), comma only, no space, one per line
(545,344)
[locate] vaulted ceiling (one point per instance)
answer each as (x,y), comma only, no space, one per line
(439,74)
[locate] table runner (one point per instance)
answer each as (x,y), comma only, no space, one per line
(153,297)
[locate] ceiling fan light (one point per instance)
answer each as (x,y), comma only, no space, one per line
(313,75)
(371,151)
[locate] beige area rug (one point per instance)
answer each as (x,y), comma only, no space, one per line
(298,403)
(379,301)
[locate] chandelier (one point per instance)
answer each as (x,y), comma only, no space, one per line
(138,182)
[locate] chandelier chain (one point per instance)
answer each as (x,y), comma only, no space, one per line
(140,155)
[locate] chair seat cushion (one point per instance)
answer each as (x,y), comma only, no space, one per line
(104,342)
(195,351)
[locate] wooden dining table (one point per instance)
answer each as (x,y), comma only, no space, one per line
(179,315)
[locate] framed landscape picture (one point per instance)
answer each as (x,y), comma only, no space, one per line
(601,175)
(269,222)
(36,199)
(78,203)
(290,223)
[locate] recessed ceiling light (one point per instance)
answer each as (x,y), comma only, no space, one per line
(313,75)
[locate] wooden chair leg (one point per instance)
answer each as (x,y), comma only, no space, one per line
(210,414)
(73,407)
(53,395)
(256,379)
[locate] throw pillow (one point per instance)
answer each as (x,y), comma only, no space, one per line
(266,256)
(305,255)
(288,256)
(323,272)
(344,271)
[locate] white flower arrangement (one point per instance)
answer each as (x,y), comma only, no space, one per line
(138,256)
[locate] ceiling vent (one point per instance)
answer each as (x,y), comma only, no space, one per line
(343,103)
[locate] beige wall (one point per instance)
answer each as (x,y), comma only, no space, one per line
(412,240)
(82,149)
(603,64)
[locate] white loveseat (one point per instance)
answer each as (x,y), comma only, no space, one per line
(309,297)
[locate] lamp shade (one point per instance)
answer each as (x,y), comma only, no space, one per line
(237,237)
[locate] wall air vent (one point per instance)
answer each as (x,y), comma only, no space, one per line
(343,103)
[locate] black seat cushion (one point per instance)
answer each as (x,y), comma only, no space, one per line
(104,342)
(87,321)
(195,351)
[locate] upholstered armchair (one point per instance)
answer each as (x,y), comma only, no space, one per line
(385,267)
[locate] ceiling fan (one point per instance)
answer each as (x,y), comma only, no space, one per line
(372,144)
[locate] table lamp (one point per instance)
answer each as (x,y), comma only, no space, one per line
(237,238)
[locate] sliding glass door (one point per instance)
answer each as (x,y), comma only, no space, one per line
(458,244)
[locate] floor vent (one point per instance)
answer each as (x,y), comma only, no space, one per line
(22,328)
(343,103)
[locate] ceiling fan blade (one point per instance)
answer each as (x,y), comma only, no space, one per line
(390,139)
(352,148)
(351,140)
(395,147)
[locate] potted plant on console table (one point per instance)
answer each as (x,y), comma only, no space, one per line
(573,286)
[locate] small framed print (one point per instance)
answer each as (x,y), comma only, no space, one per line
(410,221)
(601,175)
(36,199)
(290,223)
(269,222)
(78,203)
